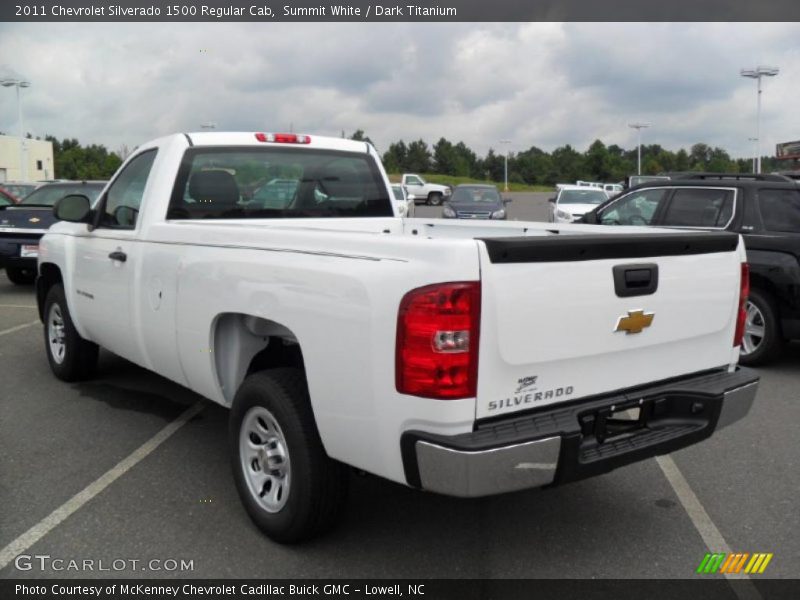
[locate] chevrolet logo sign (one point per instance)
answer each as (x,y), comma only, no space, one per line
(34,220)
(634,322)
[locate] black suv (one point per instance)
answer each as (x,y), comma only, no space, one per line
(765,209)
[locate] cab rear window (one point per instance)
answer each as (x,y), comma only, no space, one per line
(241,183)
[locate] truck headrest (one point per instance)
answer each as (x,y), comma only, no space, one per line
(217,188)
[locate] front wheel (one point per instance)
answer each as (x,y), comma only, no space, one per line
(762,340)
(19,276)
(434,199)
(289,486)
(71,357)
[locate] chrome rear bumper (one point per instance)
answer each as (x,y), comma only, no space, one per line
(459,466)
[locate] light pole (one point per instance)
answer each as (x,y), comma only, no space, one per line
(19,83)
(638,127)
(505,188)
(755,152)
(757,74)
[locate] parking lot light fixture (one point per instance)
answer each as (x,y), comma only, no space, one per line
(757,74)
(755,151)
(19,83)
(505,186)
(638,127)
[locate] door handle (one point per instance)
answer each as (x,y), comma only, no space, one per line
(635,280)
(118,255)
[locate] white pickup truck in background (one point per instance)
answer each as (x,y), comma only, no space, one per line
(335,339)
(425,193)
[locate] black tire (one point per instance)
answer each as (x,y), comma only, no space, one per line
(434,199)
(19,276)
(317,487)
(79,358)
(771,344)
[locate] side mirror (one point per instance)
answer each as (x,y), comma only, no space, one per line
(507,200)
(411,197)
(551,199)
(75,208)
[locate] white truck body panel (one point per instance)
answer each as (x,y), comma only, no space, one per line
(334,286)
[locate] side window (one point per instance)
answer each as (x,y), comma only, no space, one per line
(780,210)
(124,197)
(696,207)
(413,181)
(637,208)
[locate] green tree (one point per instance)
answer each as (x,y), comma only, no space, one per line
(395,160)
(445,157)
(360,136)
(419,157)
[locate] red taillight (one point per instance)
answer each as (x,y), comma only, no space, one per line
(283,138)
(437,341)
(744,292)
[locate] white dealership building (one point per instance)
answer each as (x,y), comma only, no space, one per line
(36,155)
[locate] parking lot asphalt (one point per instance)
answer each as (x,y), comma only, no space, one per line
(179,501)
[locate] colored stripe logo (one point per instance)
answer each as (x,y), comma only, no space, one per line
(735,562)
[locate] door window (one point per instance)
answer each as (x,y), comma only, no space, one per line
(780,210)
(637,208)
(699,207)
(124,197)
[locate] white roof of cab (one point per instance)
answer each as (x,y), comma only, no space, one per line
(248,138)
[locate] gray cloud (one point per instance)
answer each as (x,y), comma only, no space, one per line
(542,84)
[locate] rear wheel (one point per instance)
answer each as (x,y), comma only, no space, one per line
(71,357)
(762,340)
(19,276)
(434,199)
(289,486)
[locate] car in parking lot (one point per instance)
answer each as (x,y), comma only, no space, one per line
(22,226)
(573,201)
(764,209)
(402,201)
(276,193)
(339,336)
(470,201)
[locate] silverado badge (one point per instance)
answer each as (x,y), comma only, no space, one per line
(634,322)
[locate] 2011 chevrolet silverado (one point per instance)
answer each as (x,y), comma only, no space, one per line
(523,355)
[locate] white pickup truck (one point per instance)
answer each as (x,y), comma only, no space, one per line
(523,355)
(427,193)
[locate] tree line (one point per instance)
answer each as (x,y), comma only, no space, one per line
(535,166)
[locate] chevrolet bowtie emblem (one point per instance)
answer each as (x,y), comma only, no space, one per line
(34,220)
(634,322)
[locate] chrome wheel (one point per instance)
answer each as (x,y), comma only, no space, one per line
(754,329)
(55,333)
(265,459)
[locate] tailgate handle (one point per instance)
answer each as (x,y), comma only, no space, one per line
(635,280)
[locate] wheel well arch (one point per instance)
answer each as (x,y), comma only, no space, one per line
(244,344)
(49,275)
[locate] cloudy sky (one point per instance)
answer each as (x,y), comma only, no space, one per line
(542,84)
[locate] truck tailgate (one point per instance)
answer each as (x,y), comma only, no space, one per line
(556,326)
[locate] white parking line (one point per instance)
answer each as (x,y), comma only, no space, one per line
(18,327)
(17,306)
(46,525)
(744,590)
